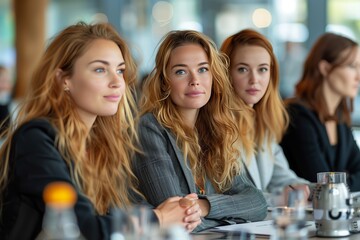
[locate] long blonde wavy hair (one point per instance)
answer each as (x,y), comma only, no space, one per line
(100,161)
(209,147)
(271,118)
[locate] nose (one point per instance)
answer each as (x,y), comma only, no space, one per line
(116,80)
(253,78)
(194,81)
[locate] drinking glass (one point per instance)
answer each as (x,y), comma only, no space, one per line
(288,214)
(135,223)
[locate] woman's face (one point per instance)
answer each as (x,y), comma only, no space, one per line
(190,77)
(344,80)
(97,83)
(250,72)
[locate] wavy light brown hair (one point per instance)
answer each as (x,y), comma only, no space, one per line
(336,50)
(102,158)
(271,118)
(210,146)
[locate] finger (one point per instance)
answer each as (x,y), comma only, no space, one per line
(191,226)
(196,216)
(186,202)
(192,195)
(192,209)
(173,199)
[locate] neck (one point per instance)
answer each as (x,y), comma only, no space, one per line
(332,98)
(189,117)
(88,120)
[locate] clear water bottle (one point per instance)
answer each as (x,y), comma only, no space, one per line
(59,222)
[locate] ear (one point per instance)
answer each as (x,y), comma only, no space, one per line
(324,67)
(62,79)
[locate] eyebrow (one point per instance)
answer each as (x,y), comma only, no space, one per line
(262,64)
(105,62)
(184,65)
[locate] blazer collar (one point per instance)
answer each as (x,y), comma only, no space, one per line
(180,157)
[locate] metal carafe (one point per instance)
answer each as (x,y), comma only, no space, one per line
(332,205)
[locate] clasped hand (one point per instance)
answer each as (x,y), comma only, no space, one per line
(184,211)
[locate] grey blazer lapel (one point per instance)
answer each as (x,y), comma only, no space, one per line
(180,157)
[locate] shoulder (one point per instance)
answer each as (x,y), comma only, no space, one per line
(300,112)
(34,133)
(148,121)
(297,107)
(147,117)
(36,127)
(152,131)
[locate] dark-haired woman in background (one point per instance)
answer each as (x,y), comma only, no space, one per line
(319,138)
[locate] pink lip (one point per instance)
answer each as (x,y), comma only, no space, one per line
(112,98)
(252,91)
(194,93)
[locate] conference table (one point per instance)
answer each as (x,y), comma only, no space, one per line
(213,235)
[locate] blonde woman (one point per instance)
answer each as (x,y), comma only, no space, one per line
(255,76)
(76,125)
(187,134)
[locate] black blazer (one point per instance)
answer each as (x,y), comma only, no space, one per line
(307,148)
(35,162)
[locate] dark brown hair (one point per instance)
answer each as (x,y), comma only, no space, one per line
(336,50)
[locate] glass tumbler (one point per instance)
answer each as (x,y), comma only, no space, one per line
(134,223)
(288,214)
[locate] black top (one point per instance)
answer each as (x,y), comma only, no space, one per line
(307,147)
(4,116)
(35,162)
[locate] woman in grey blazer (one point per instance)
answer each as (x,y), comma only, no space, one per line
(254,74)
(187,134)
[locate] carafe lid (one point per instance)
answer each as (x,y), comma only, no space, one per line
(331,177)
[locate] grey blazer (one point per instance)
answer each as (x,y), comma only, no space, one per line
(270,170)
(163,173)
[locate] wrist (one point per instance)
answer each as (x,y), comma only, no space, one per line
(159,215)
(204,206)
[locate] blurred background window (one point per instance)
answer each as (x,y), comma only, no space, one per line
(291,25)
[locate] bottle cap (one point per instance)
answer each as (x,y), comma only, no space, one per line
(60,194)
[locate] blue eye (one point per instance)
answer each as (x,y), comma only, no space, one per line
(203,69)
(99,70)
(120,71)
(180,72)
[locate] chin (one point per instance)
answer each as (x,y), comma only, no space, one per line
(108,113)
